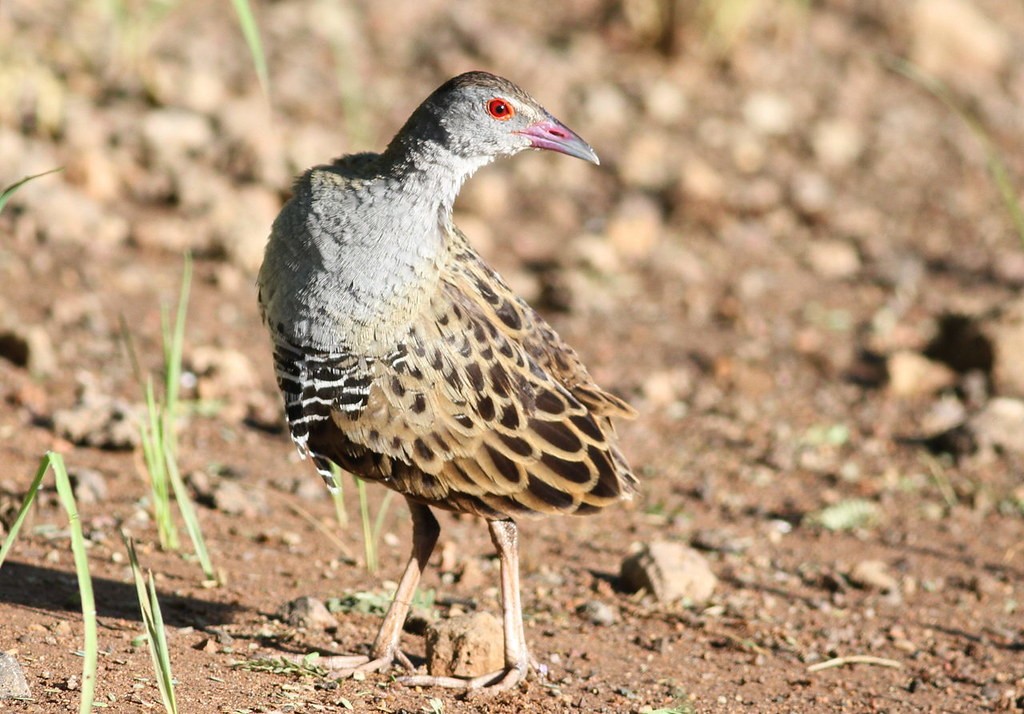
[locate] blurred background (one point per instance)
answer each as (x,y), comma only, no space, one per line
(801,258)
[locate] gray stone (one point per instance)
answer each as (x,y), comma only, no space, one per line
(13,684)
(598,613)
(465,646)
(1001,424)
(308,612)
(669,571)
(98,420)
(89,485)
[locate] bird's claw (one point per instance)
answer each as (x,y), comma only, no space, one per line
(345,666)
(490,683)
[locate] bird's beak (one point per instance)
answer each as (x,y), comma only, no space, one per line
(553,135)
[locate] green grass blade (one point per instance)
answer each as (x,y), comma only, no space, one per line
(378,522)
(163,652)
(44,464)
(91,647)
(154,453)
(369,547)
(251,32)
(188,512)
(152,620)
(997,168)
(174,345)
(6,194)
(338,496)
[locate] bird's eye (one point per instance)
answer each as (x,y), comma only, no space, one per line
(500,109)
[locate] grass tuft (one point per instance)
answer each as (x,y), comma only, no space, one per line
(160,441)
(251,32)
(64,491)
(156,635)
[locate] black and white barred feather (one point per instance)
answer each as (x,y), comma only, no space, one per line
(315,384)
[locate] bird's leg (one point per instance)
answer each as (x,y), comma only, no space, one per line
(384,652)
(504,535)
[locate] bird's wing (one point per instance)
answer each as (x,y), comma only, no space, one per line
(483,408)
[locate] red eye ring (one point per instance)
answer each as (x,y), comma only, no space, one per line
(500,109)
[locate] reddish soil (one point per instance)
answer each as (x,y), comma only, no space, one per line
(780,222)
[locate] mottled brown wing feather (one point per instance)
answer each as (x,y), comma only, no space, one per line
(484,409)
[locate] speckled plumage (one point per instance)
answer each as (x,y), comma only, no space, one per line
(405,359)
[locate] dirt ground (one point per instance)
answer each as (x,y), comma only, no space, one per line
(794,261)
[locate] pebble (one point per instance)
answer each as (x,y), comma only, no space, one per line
(873,575)
(68,216)
(89,485)
(241,224)
(1006,334)
(465,645)
(811,193)
(701,182)
(670,571)
(308,612)
(955,40)
(13,684)
(598,613)
(233,498)
(837,143)
(912,374)
(98,420)
(29,347)
(768,113)
(833,259)
(221,372)
(635,227)
(999,424)
(171,135)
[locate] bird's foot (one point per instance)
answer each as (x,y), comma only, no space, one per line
(345,666)
(490,683)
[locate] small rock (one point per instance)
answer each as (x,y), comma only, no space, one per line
(68,216)
(912,374)
(833,259)
(308,612)
(174,233)
(768,113)
(811,193)
(837,143)
(89,485)
(635,227)
(169,135)
(665,102)
(648,161)
(598,613)
(13,684)
(29,347)
(701,182)
(873,575)
(1001,424)
(98,420)
(465,646)
(233,498)
(955,40)
(221,372)
(669,571)
(241,225)
(666,387)
(1007,337)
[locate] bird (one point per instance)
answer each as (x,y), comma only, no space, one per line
(405,359)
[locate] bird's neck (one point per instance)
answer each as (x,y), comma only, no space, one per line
(431,171)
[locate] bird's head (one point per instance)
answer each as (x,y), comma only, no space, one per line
(478,116)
